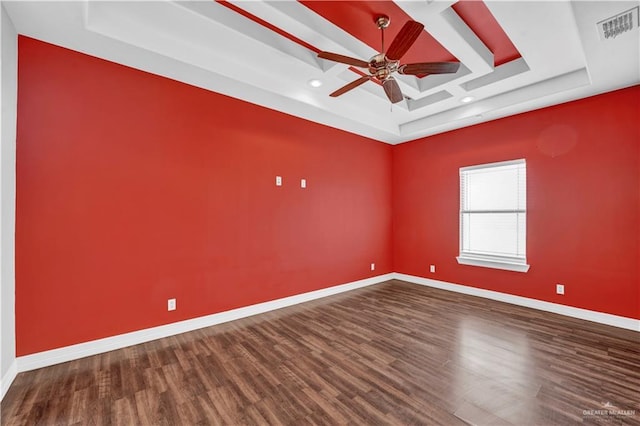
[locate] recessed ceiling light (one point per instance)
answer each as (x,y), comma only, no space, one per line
(315,83)
(467,99)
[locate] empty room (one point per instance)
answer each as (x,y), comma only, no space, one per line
(320,212)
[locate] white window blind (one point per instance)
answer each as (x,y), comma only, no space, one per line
(493,215)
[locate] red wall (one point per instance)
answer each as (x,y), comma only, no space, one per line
(583,183)
(132,189)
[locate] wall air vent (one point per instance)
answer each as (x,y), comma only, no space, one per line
(613,27)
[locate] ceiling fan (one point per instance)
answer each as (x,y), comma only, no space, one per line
(384,64)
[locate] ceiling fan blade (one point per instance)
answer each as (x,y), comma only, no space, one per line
(429,68)
(403,41)
(343,59)
(352,85)
(392,90)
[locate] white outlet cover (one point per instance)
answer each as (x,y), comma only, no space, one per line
(278,180)
(303,183)
(432,268)
(171,305)
(560,288)
(373,266)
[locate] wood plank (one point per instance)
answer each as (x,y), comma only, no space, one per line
(393,353)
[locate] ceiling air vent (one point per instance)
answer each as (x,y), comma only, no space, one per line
(624,22)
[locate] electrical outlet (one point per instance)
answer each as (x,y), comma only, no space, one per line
(278,180)
(432,268)
(171,305)
(303,183)
(559,288)
(373,266)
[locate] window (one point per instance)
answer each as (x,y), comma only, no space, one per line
(493,215)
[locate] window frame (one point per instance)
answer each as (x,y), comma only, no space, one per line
(509,263)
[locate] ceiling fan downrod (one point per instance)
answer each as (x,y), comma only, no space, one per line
(382,22)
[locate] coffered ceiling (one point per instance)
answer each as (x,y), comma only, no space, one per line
(515,56)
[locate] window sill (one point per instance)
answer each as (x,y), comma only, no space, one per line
(495,264)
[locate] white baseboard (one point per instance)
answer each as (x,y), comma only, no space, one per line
(81,350)
(570,311)
(69,353)
(8,378)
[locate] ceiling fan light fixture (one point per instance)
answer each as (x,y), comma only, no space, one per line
(467,99)
(315,83)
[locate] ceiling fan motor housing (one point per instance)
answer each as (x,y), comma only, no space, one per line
(381,67)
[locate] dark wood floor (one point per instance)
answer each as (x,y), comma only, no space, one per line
(394,353)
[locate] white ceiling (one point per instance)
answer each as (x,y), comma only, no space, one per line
(211,46)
